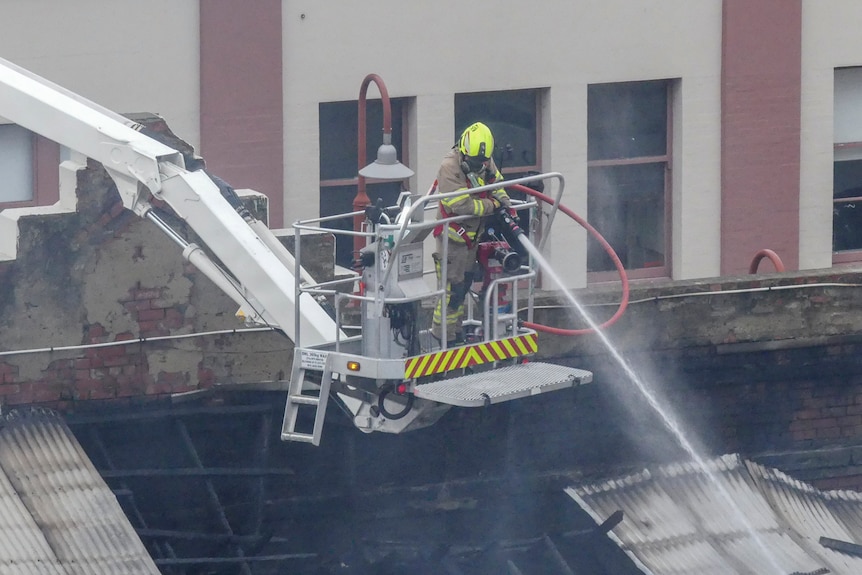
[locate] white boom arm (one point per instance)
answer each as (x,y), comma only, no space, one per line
(141,166)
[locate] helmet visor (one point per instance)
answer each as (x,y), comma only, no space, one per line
(476,163)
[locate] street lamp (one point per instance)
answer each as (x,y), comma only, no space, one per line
(385,167)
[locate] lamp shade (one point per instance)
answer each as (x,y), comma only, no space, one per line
(386,166)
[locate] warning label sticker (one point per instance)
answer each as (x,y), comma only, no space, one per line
(312,359)
(410,262)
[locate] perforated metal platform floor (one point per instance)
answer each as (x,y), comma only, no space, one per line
(502,384)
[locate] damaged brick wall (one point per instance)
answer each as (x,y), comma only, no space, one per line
(85,281)
(762,365)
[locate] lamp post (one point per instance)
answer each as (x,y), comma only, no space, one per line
(386,166)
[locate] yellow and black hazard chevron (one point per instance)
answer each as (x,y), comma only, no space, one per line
(468,355)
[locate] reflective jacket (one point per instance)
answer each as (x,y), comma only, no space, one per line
(450,178)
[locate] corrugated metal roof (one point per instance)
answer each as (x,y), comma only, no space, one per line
(740,518)
(57,515)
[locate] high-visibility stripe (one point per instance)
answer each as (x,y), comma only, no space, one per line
(469,355)
(435,361)
(449,202)
(453,358)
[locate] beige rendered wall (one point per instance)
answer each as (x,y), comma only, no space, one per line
(125,55)
(830,39)
(431,50)
(133,57)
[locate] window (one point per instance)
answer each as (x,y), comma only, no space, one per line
(338,124)
(847,163)
(628,158)
(513,117)
(16,164)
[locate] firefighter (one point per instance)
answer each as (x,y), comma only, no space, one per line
(468,164)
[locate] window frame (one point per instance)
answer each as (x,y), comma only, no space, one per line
(538,95)
(45,178)
(851,255)
(34,199)
(403,111)
(537,115)
(664,270)
(403,154)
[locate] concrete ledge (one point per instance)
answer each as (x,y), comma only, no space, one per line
(735,314)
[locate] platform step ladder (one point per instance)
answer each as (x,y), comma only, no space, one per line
(298,397)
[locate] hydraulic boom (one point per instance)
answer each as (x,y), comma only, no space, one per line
(260,277)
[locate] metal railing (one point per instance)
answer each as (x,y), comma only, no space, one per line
(411,219)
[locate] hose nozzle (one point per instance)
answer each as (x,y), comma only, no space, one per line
(510,260)
(508,222)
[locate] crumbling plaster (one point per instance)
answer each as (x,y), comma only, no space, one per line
(102,275)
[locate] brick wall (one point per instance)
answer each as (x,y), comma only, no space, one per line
(99,305)
(767,366)
(762,365)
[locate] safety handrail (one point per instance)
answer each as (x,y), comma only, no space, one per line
(422,200)
(490,309)
(399,231)
(436,197)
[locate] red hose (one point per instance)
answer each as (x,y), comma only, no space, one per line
(607,247)
(773,257)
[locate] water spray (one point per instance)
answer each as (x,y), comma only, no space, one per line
(643,386)
(624,280)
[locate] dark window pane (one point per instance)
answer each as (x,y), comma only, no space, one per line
(847,215)
(339,200)
(626,205)
(511,115)
(339,124)
(627,120)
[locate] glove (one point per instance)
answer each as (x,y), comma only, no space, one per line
(501,198)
